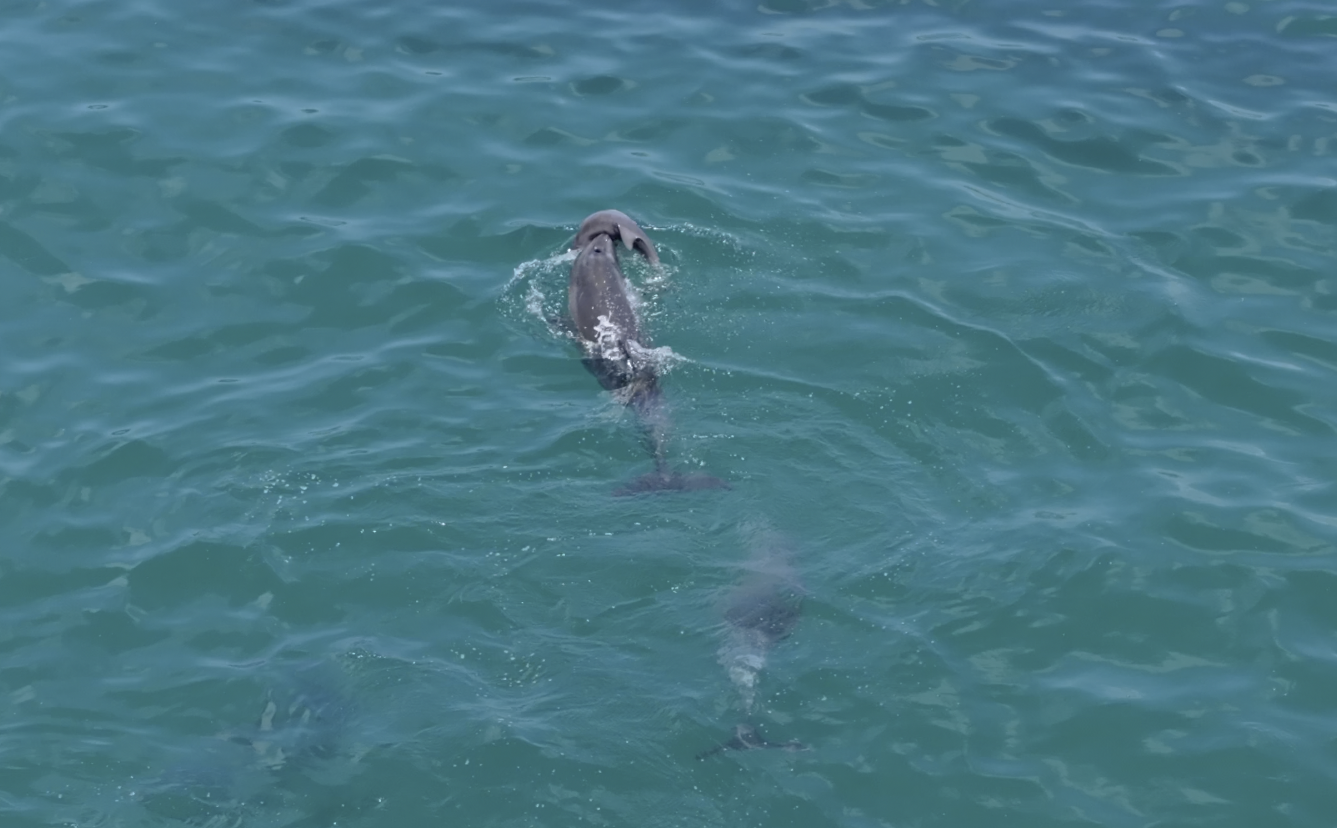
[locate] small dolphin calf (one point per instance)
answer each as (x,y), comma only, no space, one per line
(618,225)
(605,322)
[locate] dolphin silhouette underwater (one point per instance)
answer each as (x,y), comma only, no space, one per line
(305,720)
(761,611)
(604,321)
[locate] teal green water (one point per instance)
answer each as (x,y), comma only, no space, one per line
(1012,326)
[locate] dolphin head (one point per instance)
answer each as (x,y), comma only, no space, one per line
(598,246)
(617,225)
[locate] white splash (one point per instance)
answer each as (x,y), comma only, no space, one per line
(608,339)
(743,657)
(663,358)
(527,270)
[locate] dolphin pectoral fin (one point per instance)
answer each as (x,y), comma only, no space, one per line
(562,325)
(610,374)
(660,480)
(747,737)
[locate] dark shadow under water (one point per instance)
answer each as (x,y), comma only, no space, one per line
(762,610)
(301,727)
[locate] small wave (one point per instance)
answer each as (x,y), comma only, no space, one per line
(536,292)
(526,271)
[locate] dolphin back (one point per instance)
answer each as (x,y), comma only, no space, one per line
(597,298)
(768,600)
(771,611)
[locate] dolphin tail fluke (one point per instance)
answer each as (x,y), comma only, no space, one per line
(663,480)
(747,737)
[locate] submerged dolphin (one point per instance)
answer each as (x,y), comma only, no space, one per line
(760,612)
(305,720)
(606,324)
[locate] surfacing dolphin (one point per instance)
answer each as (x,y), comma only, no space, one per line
(616,353)
(761,611)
